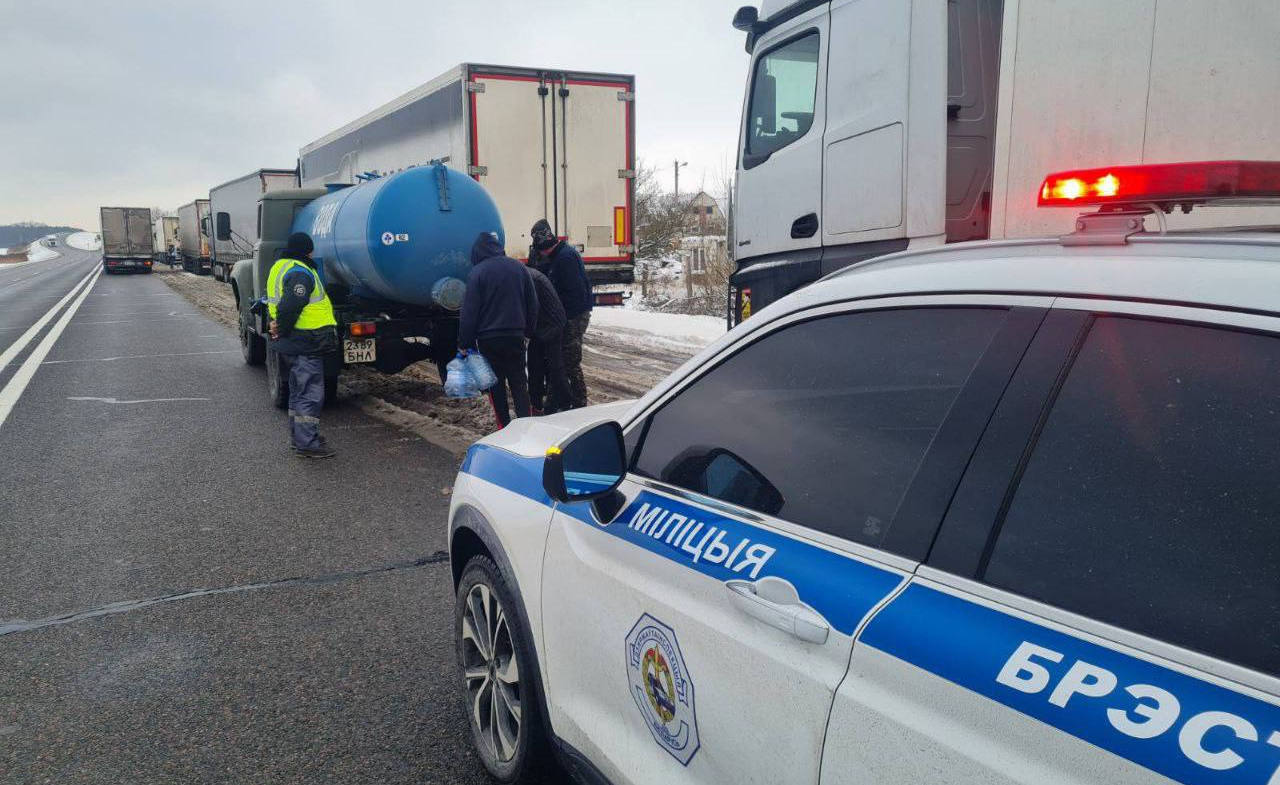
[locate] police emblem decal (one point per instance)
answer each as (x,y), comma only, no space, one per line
(661,687)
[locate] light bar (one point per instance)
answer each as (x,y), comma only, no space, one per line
(1200,182)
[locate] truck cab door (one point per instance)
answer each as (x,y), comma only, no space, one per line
(780,151)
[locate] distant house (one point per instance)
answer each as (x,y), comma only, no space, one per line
(703,254)
(705,214)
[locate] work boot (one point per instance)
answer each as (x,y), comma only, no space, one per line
(323,451)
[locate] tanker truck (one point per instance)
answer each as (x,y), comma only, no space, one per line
(393,254)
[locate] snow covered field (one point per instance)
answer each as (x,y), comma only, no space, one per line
(85,241)
(662,330)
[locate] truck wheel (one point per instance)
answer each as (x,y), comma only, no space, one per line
(252,346)
(277,381)
(499,676)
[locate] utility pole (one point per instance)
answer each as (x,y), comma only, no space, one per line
(678,163)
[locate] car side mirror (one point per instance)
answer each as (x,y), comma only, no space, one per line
(586,466)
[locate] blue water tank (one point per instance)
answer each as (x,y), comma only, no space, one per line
(405,238)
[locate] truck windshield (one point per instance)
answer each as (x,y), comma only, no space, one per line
(783,88)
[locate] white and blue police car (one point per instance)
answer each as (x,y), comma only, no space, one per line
(1001,512)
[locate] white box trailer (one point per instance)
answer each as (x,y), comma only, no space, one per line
(870,126)
(545,143)
(126,238)
(193,237)
(234,207)
(164,235)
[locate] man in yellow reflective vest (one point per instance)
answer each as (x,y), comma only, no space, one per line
(303,331)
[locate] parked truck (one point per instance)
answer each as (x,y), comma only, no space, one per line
(871,126)
(193,237)
(126,239)
(164,237)
(547,144)
(234,207)
(393,254)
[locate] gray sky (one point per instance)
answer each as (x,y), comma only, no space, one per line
(150,103)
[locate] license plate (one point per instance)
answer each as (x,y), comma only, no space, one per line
(362,351)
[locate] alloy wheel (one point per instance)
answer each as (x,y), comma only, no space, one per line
(492,673)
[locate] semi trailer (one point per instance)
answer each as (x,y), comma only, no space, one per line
(193,237)
(234,210)
(393,254)
(872,126)
(544,143)
(164,237)
(126,239)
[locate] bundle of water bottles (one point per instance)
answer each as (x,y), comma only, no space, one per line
(468,375)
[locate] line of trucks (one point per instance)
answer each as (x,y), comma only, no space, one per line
(868,127)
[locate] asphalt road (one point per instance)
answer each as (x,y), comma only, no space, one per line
(182,599)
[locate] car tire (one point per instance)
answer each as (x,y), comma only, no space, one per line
(277,381)
(499,675)
(252,346)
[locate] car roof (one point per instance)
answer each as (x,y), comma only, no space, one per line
(1233,270)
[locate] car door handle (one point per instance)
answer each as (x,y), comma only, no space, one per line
(775,602)
(804,226)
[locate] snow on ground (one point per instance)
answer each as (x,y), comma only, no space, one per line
(38,252)
(666,330)
(85,241)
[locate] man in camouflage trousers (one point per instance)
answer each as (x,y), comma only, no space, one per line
(560,262)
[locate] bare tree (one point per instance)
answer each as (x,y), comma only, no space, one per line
(660,216)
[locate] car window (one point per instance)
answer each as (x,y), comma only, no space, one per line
(1150,500)
(783,90)
(822,423)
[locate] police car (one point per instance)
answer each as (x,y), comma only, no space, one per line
(1003,512)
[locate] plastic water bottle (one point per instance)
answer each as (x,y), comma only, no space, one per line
(480,370)
(458,381)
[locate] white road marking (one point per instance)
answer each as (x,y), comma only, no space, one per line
(140,400)
(17,346)
(137,357)
(12,391)
(135,321)
(153,314)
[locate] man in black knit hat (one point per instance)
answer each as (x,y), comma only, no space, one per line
(561,262)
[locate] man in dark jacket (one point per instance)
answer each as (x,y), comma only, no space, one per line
(562,264)
(546,354)
(499,311)
(303,331)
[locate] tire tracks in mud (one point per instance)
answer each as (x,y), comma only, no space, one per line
(615,368)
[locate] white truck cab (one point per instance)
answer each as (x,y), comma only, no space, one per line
(872,126)
(993,512)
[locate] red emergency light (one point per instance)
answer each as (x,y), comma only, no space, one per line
(1166,185)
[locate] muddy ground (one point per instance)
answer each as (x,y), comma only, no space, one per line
(617,366)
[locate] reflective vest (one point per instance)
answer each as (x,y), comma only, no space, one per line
(317,313)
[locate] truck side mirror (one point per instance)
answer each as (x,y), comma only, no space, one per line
(204,226)
(588,465)
(224,226)
(745,18)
